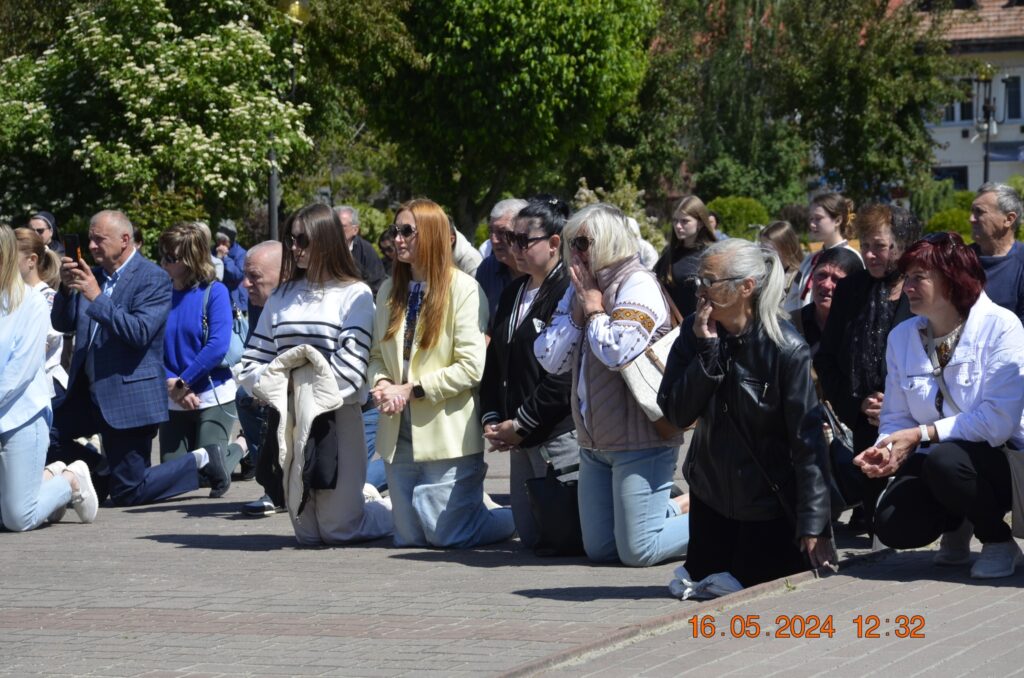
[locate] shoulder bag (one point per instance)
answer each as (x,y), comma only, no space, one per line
(239,328)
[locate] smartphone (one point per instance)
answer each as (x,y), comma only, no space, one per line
(72,246)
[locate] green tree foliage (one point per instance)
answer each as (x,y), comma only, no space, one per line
(954,219)
(497,92)
(739,216)
(169,104)
(929,196)
(626,196)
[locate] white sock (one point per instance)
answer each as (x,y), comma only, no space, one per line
(202,457)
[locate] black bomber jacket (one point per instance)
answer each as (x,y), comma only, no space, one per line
(750,398)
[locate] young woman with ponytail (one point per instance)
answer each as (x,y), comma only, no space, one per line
(40,269)
(831,224)
(759,502)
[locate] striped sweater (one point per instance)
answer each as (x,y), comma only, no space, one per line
(336,319)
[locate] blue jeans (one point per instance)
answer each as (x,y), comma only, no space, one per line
(252,418)
(375,473)
(625,510)
(25,500)
(440,503)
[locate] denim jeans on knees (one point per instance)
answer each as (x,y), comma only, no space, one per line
(25,499)
(440,503)
(532,462)
(375,474)
(626,513)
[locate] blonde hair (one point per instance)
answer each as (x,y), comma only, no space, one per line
(606,226)
(12,287)
(47,261)
(434,251)
(190,245)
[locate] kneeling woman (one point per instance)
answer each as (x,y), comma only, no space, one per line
(426,364)
(758,495)
(944,439)
(321,316)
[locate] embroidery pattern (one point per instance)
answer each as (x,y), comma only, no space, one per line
(632,315)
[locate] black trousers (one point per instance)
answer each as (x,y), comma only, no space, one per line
(934,492)
(752,551)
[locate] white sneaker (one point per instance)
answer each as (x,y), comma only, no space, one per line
(370,493)
(55,469)
(85,502)
(997,560)
(955,546)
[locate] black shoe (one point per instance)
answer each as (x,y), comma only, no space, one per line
(217,472)
(246,469)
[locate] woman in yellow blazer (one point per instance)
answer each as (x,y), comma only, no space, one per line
(426,362)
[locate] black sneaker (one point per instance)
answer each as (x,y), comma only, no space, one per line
(217,472)
(264,506)
(246,469)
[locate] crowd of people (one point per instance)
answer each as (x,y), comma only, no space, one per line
(369,389)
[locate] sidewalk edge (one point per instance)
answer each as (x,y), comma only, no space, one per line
(650,627)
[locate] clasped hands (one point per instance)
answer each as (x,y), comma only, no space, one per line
(390,398)
(502,435)
(589,298)
(183,396)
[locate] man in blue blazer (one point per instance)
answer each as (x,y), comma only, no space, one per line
(117,384)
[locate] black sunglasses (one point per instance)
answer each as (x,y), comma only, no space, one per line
(407,231)
(168,258)
(522,241)
(581,243)
(708,283)
(301,241)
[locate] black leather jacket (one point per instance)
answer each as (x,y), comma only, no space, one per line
(751,398)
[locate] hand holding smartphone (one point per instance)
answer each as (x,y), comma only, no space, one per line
(72,246)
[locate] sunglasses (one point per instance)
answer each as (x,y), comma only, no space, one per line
(301,241)
(522,241)
(407,231)
(708,283)
(944,239)
(581,243)
(168,258)
(41,231)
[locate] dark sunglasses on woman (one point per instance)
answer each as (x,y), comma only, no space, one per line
(407,231)
(522,241)
(581,243)
(301,241)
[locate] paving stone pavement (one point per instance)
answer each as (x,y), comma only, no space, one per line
(191,588)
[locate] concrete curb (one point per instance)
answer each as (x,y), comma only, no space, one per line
(655,625)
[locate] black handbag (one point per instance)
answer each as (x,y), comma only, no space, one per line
(846,485)
(555,508)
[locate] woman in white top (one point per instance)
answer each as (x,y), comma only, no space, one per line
(29,494)
(322,302)
(944,440)
(613,310)
(831,224)
(40,269)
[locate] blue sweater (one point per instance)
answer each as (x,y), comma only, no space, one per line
(184,353)
(234,273)
(1005,278)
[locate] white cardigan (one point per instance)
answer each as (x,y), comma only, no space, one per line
(985,377)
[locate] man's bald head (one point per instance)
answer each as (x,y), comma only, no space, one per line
(262,271)
(111,239)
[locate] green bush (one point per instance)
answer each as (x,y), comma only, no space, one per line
(931,196)
(956,220)
(962,200)
(1017,182)
(738,216)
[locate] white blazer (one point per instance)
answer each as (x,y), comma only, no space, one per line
(985,377)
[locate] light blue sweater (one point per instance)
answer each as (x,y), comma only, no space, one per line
(24,387)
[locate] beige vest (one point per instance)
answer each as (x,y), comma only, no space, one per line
(614,420)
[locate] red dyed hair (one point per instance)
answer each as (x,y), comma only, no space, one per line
(947,255)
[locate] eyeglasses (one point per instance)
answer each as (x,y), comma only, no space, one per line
(707,283)
(42,230)
(522,241)
(301,241)
(407,231)
(168,258)
(581,243)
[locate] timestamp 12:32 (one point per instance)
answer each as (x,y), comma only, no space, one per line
(806,626)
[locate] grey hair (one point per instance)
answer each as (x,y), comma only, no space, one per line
(744,259)
(606,226)
(115,218)
(352,212)
(510,206)
(1007,199)
(269,247)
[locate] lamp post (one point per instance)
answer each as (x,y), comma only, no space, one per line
(983,94)
(297,12)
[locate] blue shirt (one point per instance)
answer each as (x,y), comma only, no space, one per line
(1005,278)
(24,386)
(185,356)
(234,273)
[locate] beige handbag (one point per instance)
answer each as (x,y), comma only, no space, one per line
(643,375)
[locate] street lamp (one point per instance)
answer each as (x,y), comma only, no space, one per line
(297,12)
(983,94)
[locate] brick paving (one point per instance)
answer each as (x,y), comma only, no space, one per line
(192,588)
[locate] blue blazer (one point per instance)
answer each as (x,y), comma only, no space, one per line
(128,351)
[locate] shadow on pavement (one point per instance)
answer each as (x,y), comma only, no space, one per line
(227,542)
(192,508)
(917,566)
(509,554)
(592,593)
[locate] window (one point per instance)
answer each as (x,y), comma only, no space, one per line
(1012,97)
(957,174)
(963,110)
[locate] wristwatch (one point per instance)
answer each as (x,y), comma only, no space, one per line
(180,384)
(418,392)
(520,431)
(926,440)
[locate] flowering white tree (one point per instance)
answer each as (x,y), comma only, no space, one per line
(165,108)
